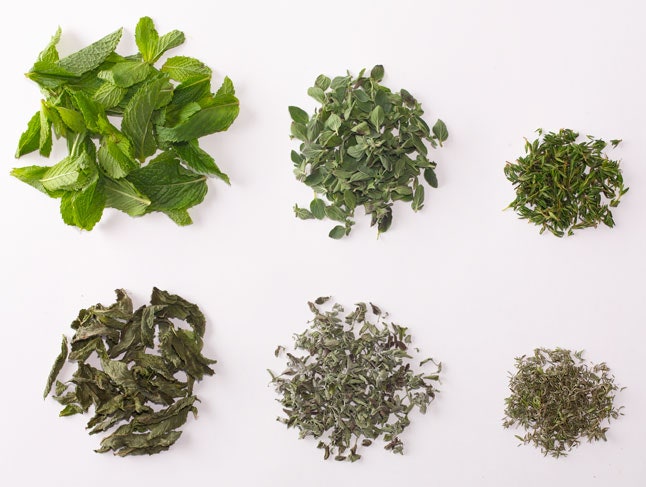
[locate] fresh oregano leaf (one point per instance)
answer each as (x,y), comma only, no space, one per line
(364,146)
(141,391)
(157,111)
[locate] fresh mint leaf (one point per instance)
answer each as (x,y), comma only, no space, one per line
(216,118)
(169,185)
(50,54)
(109,95)
(183,69)
(124,196)
(150,44)
(32,176)
(92,56)
(126,73)
(30,138)
(115,158)
(199,160)
(83,208)
(70,174)
(137,122)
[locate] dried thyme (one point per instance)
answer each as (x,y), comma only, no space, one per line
(365,146)
(354,381)
(563,185)
(136,369)
(560,399)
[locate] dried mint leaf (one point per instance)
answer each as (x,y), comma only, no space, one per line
(563,185)
(365,146)
(152,161)
(559,399)
(147,366)
(353,381)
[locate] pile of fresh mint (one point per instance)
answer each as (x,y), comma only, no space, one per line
(131,129)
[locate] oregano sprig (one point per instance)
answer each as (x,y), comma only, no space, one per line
(563,185)
(365,146)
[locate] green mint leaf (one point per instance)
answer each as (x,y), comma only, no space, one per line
(181,217)
(30,138)
(32,176)
(298,115)
(333,122)
(184,69)
(322,82)
(168,185)
(377,116)
(226,88)
(440,131)
(50,54)
(124,196)
(126,73)
(92,56)
(69,174)
(83,208)
(147,38)
(93,113)
(115,158)
(109,95)
(45,136)
(72,119)
(169,41)
(216,118)
(197,159)
(137,122)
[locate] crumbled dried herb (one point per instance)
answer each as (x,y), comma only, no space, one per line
(559,399)
(136,369)
(563,185)
(354,382)
(365,146)
(151,159)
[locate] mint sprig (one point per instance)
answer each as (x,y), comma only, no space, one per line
(132,129)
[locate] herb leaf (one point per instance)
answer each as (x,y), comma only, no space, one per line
(163,114)
(365,146)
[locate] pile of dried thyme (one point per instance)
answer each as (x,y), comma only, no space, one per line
(559,399)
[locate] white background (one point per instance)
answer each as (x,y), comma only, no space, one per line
(475,285)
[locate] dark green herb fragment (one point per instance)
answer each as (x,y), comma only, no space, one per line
(136,369)
(560,399)
(563,185)
(365,146)
(353,381)
(151,161)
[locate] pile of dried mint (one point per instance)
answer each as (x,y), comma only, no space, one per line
(563,185)
(365,146)
(137,369)
(354,382)
(560,399)
(162,113)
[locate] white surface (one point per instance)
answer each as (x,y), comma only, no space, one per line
(476,286)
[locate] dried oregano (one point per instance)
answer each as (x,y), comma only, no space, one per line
(559,399)
(563,185)
(136,369)
(365,146)
(354,381)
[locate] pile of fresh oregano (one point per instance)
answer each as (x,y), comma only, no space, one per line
(151,160)
(559,399)
(563,185)
(136,368)
(353,383)
(365,146)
